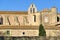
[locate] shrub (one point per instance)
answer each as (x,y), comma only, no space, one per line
(42,30)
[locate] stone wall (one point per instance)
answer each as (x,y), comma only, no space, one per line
(52,32)
(30,38)
(19,32)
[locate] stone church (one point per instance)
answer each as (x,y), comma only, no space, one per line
(26,23)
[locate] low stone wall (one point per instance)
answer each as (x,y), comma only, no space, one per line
(30,38)
(25,38)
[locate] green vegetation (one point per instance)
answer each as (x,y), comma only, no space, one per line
(42,30)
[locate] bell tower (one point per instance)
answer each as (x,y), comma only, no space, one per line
(33,15)
(32,9)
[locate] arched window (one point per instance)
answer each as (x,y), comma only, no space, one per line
(57,19)
(34,18)
(30,10)
(32,5)
(1,20)
(8,32)
(33,10)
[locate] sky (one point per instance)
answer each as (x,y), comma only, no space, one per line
(23,5)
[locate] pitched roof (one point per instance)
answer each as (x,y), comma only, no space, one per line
(12,12)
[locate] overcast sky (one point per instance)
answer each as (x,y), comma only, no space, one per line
(23,5)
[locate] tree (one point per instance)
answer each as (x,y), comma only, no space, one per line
(42,30)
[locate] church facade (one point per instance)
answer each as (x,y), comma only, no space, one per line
(16,23)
